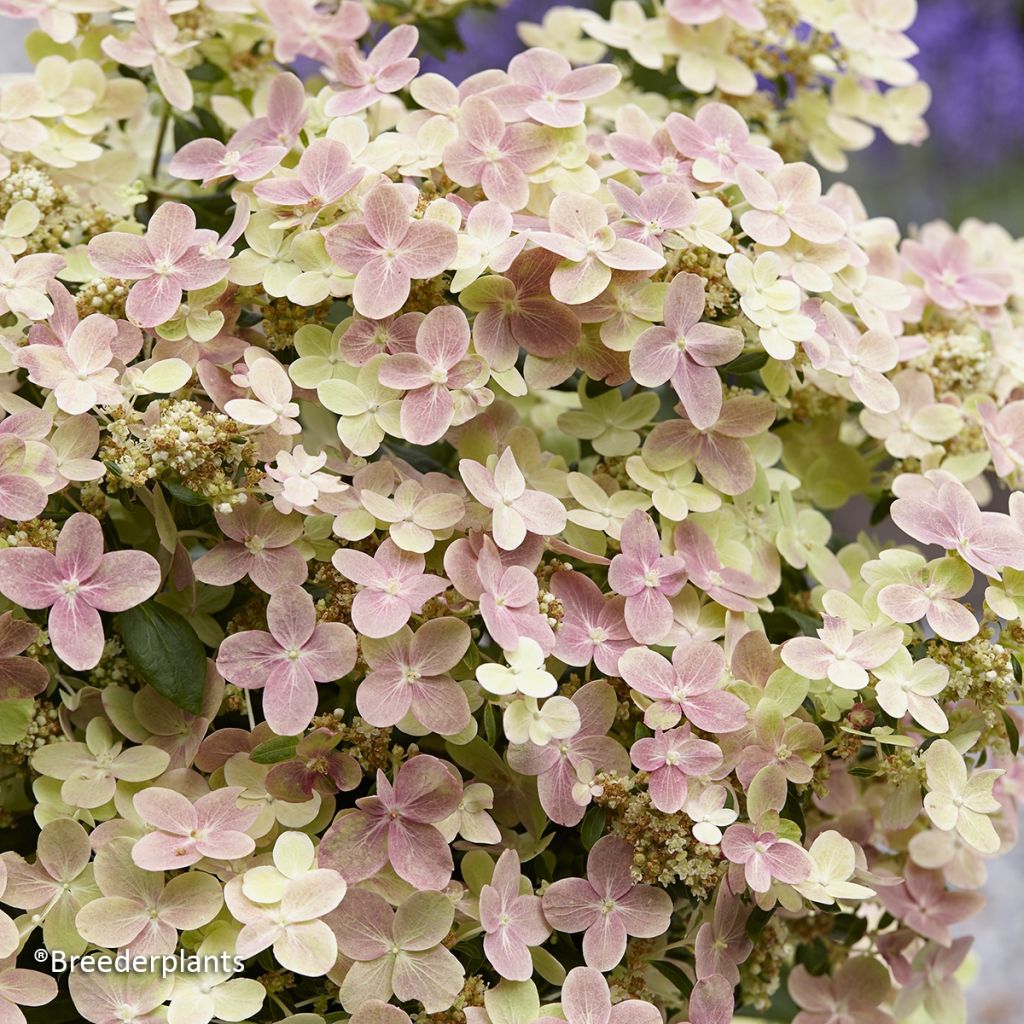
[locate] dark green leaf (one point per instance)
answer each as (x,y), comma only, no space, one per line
(746,362)
(592,827)
(280,748)
(794,812)
(166,652)
(757,921)
(206,72)
(1012,732)
(184,494)
(676,975)
(490,725)
(881,509)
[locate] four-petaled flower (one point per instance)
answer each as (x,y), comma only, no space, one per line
(77,582)
(607,905)
(163,263)
(388,249)
(287,662)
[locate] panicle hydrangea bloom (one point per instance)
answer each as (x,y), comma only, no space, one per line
(419,572)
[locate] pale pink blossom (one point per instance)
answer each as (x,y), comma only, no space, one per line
(787,202)
(593,626)
(364,80)
(398,826)
(949,276)
(933,593)
(718,450)
(688,686)
(607,906)
(183,832)
(516,509)
(259,546)
(138,910)
(21,496)
(24,283)
(938,509)
(209,160)
(78,371)
(545,87)
(19,677)
(121,998)
(270,404)
(509,601)
(301,28)
(396,952)
(852,995)
(717,140)
(302,482)
(516,310)
(765,857)
(440,365)
(557,763)
(513,921)
(58,22)
(840,655)
(654,156)
(586,999)
(389,248)
(287,662)
(162,263)
(733,589)
(670,758)
(393,587)
(364,339)
(285,115)
(154,43)
(860,359)
(645,578)
(701,12)
(923,902)
(76,584)
(410,673)
(323,175)
(1004,434)
(722,943)
(496,156)
(21,987)
(686,351)
(590,249)
(652,214)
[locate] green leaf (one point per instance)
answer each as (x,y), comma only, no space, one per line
(881,510)
(206,72)
(1012,732)
(593,827)
(547,966)
(280,748)
(745,362)
(757,921)
(183,494)
(794,811)
(676,975)
(15,716)
(490,725)
(166,652)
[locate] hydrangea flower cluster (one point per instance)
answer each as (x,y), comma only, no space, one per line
(418,558)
